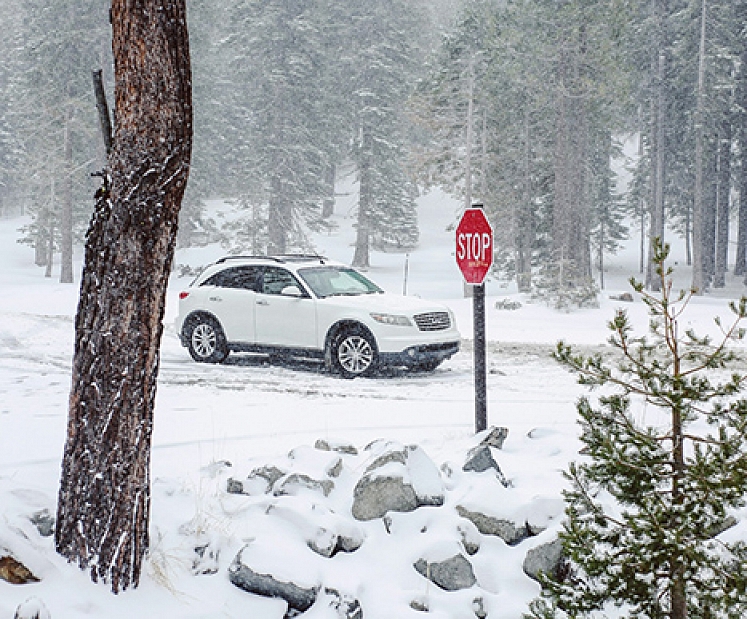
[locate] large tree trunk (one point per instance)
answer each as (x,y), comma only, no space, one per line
(279,220)
(524,217)
(66,205)
(571,236)
(700,232)
(658,132)
(104,500)
(722,204)
(362,254)
(740,264)
(328,203)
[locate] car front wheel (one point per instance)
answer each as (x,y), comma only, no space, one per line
(205,340)
(354,353)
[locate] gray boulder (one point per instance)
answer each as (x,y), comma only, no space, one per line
(44,522)
(400,480)
(373,497)
(260,480)
(495,437)
(343,448)
(205,560)
(344,606)
(469,536)
(295,482)
(298,598)
(545,559)
(508,531)
(328,543)
(452,574)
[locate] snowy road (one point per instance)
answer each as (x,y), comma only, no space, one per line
(247,407)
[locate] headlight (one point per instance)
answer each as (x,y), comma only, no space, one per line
(391,319)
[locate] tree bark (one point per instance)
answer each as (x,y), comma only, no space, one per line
(362,254)
(328,204)
(570,231)
(722,205)
(658,132)
(524,217)
(102,107)
(104,499)
(66,205)
(700,244)
(740,265)
(279,220)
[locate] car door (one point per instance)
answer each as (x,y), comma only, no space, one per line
(284,320)
(232,299)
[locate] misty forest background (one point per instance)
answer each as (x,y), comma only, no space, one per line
(523,105)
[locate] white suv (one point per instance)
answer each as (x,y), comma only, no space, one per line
(308,306)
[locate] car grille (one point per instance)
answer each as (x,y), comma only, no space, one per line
(433,321)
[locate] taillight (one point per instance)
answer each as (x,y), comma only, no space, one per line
(183,295)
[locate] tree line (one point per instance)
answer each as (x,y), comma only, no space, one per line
(522,105)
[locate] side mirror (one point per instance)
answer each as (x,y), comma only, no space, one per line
(291,291)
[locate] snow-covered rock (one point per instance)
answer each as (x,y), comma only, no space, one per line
(493,437)
(298,596)
(331,604)
(508,531)
(544,559)
(400,479)
(33,608)
(451,574)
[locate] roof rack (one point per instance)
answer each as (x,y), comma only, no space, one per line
(240,257)
(298,257)
(277,258)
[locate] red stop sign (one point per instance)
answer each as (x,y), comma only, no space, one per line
(474,246)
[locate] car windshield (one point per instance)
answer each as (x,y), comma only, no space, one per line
(332,281)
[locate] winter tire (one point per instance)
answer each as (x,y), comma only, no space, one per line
(205,340)
(354,353)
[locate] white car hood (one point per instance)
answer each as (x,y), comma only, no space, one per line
(385,303)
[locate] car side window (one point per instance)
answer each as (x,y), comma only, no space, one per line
(276,279)
(241,277)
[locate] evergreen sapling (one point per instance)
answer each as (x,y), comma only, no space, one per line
(665,472)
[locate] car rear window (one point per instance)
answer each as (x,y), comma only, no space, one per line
(242,277)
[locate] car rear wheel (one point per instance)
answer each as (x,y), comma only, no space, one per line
(205,340)
(354,353)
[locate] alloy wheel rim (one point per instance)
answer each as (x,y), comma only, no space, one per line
(355,354)
(203,340)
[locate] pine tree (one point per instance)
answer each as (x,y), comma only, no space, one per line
(209,174)
(384,53)
(276,72)
(667,463)
(56,120)
(10,148)
(608,210)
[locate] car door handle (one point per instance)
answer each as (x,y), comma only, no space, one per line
(215,299)
(263,302)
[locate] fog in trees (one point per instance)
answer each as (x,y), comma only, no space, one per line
(524,106)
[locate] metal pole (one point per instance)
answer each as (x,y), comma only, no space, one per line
(404,283)
(478,318)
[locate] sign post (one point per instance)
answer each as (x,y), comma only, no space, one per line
(474,256)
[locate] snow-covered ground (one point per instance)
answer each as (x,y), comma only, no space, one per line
(249,413)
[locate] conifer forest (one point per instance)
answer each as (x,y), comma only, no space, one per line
(534,108)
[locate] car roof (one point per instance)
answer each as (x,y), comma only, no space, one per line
(290,259)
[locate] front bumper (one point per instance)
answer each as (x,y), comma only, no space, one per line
(416,355)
